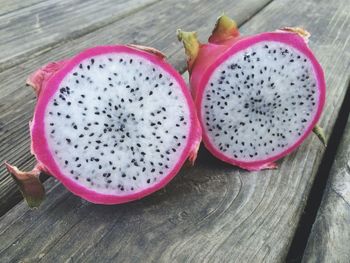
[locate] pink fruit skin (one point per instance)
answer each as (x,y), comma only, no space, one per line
(38,79)
(211,55)
(46,82)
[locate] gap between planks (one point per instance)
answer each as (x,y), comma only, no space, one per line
(302,233)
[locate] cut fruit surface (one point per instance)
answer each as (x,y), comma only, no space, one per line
(114,123)
(257,97)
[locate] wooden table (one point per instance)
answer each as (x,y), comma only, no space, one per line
(211,213)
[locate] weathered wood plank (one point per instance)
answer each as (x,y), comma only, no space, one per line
(40,26)
(8,6)
(211,213)
(110,218)
(330,236)
(17,101)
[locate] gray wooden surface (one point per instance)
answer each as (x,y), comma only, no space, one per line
(8,6)
(36,28)
(330,237)
(210,213)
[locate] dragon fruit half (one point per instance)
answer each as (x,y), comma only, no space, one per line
(257,97)
(113,124)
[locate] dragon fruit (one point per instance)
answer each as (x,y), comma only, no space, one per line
(113,124)
(257,97)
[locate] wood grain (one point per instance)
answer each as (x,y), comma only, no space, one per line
(8,6)
(213,212)
(17,101)
(330,236)
(88,223)
(40,26)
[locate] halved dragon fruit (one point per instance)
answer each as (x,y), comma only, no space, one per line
(113,124)
(257,97)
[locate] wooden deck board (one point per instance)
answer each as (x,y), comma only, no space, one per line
(330,236)
(39,27)
(18,101)
(8,6)
(213,212)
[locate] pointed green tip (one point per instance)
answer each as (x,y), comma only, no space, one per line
(225,28)
(191,45)
(187,37)
(318,131)
(225,21)
(29,184)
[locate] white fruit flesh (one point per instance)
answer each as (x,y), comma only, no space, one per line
(259,101)
(117,124)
